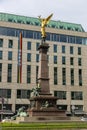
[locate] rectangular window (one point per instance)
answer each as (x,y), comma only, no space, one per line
(79,50)
(55,59)
(78,40)
(0,72)
(5,93)
(63,49)
(63,60)
(71,39)
(72,76)
(18,93)
(1,55)
(54,37)
(28,57)
(71,61)
(1,42)
(55,48)
(25,94)
(28,73)
(55,76)
(71,49)
(77,95)
(80,77)
(10,44)
(9,55)
(60,94)
(28,45)
(37,57)
(37,46)
(8,93)
(9,74)
(63,38)
(63,76)
(79,61)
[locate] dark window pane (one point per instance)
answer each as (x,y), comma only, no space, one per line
(55,76)
(60,94)
(9,75)
(10,44)
(37,57)
(10,55)
(80,77)
(28,74)
(37,46)
(1,54)
(79,61)
(28,45)
(0,72)
(1,42)
(63,49)
(63,60)
(55,48)
(72,76)
(71,61)
(63,76)
(18,93)
(79,50)
(78,40)
(55,59)
(71,49)
(28,57)
(77,95)
(63,38)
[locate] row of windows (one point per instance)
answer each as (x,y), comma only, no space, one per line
(6,93)
(37,35)
(55,58)
(71,50)
(72,78)
(9,75)
(10,43)
(74,95)
(29,45)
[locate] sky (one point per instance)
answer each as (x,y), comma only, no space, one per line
(72,11)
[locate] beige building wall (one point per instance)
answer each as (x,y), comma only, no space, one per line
(68,88)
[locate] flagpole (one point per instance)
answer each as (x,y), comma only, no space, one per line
(20,58)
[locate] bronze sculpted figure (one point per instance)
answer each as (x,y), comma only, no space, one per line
(44,22)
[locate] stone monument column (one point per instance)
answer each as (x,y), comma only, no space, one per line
(43,74)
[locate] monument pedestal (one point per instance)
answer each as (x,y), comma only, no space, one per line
(43,106)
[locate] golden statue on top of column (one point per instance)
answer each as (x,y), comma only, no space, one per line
(44,22)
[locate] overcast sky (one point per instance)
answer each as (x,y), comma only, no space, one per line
(73,11)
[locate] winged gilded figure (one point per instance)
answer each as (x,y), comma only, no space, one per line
(44,22)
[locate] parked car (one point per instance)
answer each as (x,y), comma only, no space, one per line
(79,113)
(68,113)
(84,118)
(6,120)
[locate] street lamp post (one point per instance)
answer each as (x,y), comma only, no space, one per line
(2,100)
(73,109)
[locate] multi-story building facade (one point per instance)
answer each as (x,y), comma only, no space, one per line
(67,61)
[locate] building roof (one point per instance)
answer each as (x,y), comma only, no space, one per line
(35,21)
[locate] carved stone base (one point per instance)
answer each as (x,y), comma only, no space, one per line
(44,107)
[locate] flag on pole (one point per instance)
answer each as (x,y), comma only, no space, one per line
(19,77)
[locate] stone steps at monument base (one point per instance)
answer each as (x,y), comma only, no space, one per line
(41,119)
